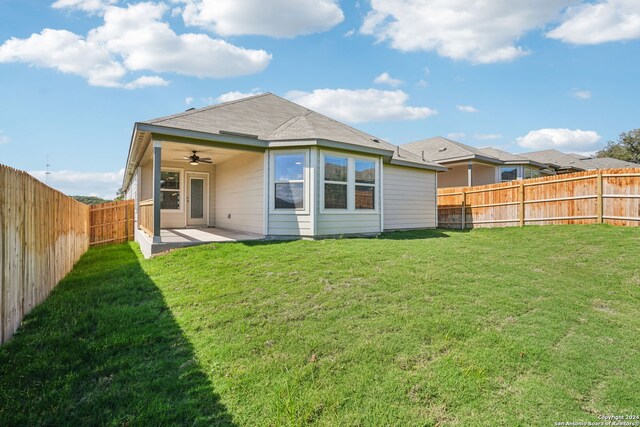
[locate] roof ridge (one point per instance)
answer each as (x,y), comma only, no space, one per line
(207,108)
(350,128)
(290,122)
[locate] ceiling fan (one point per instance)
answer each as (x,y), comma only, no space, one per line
(194,159)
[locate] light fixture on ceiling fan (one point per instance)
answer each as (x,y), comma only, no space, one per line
(194,159)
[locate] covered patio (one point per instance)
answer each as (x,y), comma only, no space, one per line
(182,201)
(173,238)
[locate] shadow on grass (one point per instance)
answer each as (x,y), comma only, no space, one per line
(104,349)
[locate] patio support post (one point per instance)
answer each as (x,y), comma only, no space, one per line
(157,159)
(469,171)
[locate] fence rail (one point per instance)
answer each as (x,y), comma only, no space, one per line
(44,233)
(111,222)
(145,216)
(606,196)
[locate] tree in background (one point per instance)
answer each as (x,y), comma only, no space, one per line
(627,147)
(90,200)
(119,195)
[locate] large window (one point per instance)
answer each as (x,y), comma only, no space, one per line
(531,172)
(170,190)
(335,182)
(349,183)
(289,181)
(508,173)
(365,184)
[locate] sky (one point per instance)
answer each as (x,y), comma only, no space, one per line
(519,75)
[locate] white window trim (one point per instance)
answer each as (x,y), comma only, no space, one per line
(272,183)
(351,185)
(207,177)
(180,190)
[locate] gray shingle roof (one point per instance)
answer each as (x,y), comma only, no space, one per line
(441,149)
(606,163)
(505,156)
(554,157)
(272,118)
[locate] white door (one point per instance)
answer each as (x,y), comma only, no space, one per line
(197,199)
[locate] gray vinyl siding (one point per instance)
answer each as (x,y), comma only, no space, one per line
(132,193)
(348,223)
(290,225)
(239,190)
(409,198)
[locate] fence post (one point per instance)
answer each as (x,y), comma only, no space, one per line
(600,201)
(521,199)
(464,210)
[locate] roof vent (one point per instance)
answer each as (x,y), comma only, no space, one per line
(442,149)
(375,139)
(190,109)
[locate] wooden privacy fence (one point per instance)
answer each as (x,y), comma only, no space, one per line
(145,217)
(609,196)
(44,233)
(111,222)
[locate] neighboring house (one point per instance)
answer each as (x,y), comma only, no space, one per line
(606,163)
(467,166)
(277,170)
(561,162)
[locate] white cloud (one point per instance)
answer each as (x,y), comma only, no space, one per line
(562,139)
(350,33)
(361,105)
(234,95)
(90,6)
(146,81)
(188,100)
(581,94)
(72,183)
(478,31)
(487,136)
(422,83)
(4,139)
(467,108)
(599,22)
(456,135)
(386,79)
(146,43)
(276,18)
(133,39)
(66,52)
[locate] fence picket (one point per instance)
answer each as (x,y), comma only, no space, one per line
(609,196)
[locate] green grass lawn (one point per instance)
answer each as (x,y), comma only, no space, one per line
(505,326)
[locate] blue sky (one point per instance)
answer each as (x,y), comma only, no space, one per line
(519,75)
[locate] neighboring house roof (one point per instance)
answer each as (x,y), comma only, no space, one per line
(510,158)
(266,121)
(578,156)
(443,150)
(554,158)
(606,163)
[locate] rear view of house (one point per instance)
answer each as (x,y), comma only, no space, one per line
(265,166)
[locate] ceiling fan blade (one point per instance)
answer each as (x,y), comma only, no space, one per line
(204,158)
(205,161)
